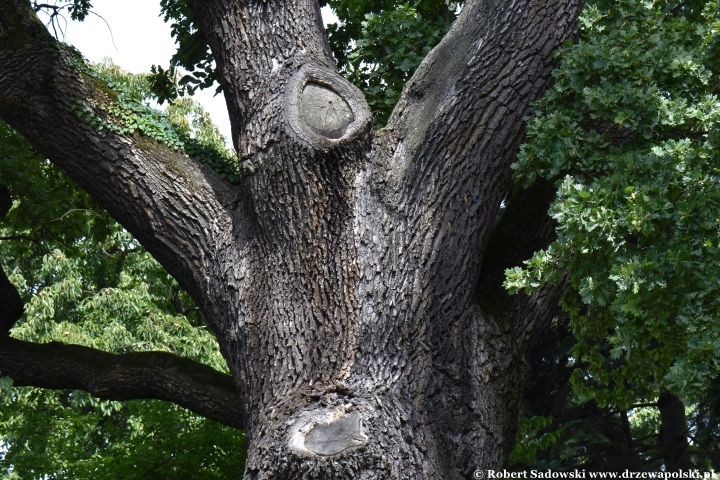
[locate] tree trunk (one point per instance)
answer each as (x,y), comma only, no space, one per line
(344,275)
(673,433)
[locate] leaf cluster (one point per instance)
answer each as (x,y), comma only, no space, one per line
(534,434)
(602,438)
(630,132)
(192,55)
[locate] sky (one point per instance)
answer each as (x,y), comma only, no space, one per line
(133,34)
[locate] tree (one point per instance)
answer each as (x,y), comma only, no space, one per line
(342,270)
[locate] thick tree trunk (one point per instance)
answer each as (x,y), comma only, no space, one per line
(343,276)
(673,433)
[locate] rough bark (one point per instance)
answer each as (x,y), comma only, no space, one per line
(673,433)
(344,276)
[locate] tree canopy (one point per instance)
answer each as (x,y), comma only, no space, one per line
(630,135)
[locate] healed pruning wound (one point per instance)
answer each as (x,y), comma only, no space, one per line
(324,111)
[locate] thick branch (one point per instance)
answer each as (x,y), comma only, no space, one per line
(130,376)
(136,375)
(459,125)
(468,98)
(301,132)
(176,207)
(524,227)
(257,44)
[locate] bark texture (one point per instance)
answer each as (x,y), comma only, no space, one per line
(353,278)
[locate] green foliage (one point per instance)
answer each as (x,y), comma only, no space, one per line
(164,84)
(70,435)
(593,438)
(79,9)
(87,281)
(630,132)
(378,45)
(193,53)
(533,435)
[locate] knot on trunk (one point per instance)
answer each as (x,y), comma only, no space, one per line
(324,109)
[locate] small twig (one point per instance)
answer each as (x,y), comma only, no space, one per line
(20,237)
(56,13)
(121,263)
(112,39)
(40,6)
(40,233)
(642,405)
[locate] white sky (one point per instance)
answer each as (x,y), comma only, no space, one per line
(141,39)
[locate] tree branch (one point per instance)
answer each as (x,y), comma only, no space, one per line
(177,208)
(130,376)
(470,95)
(459,124)
(523,228)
